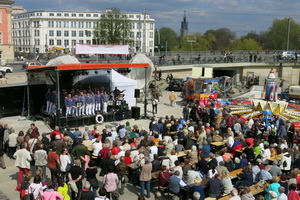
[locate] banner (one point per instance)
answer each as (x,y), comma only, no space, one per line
(102,49)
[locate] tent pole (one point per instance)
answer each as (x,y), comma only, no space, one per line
(145,100)
(58,110)
(28,97)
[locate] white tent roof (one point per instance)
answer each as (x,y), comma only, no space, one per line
(124,83)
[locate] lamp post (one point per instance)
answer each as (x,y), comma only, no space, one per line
(288,34)
(191,46)
(158,37)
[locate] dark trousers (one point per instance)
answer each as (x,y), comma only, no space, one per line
(11,151)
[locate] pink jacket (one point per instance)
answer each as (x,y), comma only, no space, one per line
(47,195)
(86,160)
(110,182)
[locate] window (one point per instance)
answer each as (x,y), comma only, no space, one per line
(51,14)
(80,33)
(36,33)
(73,33)
(58,14)
(51,33)
(88,41)
(138,16)
(131,16)
(66,24)
(138,25)
(36,41)
(95,15)
(131,34)
(80,15)
(151,34)
(151,26)
(66,14)
(88,33)
(73,42)
(81,42)
(66,42)
(73,14)
(58,42)
(88,15)
(66,33)
(51,42)
(138,34)
(58,33)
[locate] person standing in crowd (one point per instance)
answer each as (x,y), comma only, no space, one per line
(76,176)
(23,159)
(48,100)
(53,162)
(145,177)
(110,181)
(41,160)
(34,131)
(154,104)
(51,194)
(172,98)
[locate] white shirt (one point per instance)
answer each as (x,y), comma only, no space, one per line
(230,141)
(173,158)
(178,168)
(97,146)
(12,140)
(114,134)
(282,196)
(64,160)
(153,150)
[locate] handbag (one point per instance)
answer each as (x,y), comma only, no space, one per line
(68,167)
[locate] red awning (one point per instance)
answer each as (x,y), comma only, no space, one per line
(87,66)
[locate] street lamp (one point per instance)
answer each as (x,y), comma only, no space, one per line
(158,37)
(191,41)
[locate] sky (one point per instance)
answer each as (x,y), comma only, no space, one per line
(240,16)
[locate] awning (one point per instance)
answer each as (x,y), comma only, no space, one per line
(87,66)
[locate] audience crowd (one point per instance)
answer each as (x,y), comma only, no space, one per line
(202,154)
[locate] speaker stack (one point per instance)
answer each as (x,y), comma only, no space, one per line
(136,112)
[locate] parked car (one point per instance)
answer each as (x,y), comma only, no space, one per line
(31,63)
(6,69)
(289,55)
(176,84)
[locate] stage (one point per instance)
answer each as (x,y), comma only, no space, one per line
(86,120)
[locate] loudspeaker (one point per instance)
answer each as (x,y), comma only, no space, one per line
(137,93)
(135,112)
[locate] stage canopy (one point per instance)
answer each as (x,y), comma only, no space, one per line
(113,79)
(102,49)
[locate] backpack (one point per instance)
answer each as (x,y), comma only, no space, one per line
(273,131)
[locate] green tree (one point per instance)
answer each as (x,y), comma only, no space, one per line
(224,37)
(113,28)
(245,44)
(276,36)
(167,36)
(200,42)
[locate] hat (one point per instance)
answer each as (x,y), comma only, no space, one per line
(237,160)
(259,160)
(273,194)
(275,145)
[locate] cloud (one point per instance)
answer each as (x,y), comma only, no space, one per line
(256,15)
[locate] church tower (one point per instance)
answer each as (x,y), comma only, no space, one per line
(184,30)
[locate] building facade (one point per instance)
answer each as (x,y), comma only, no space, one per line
(6,41)
(40,31)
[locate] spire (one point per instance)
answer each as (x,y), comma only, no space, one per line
(184,26)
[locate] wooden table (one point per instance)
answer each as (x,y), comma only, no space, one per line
(277,157)
(254,191)
(181,153)
(217,144)
(234,173)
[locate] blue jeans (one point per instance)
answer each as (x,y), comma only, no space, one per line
(147,188)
